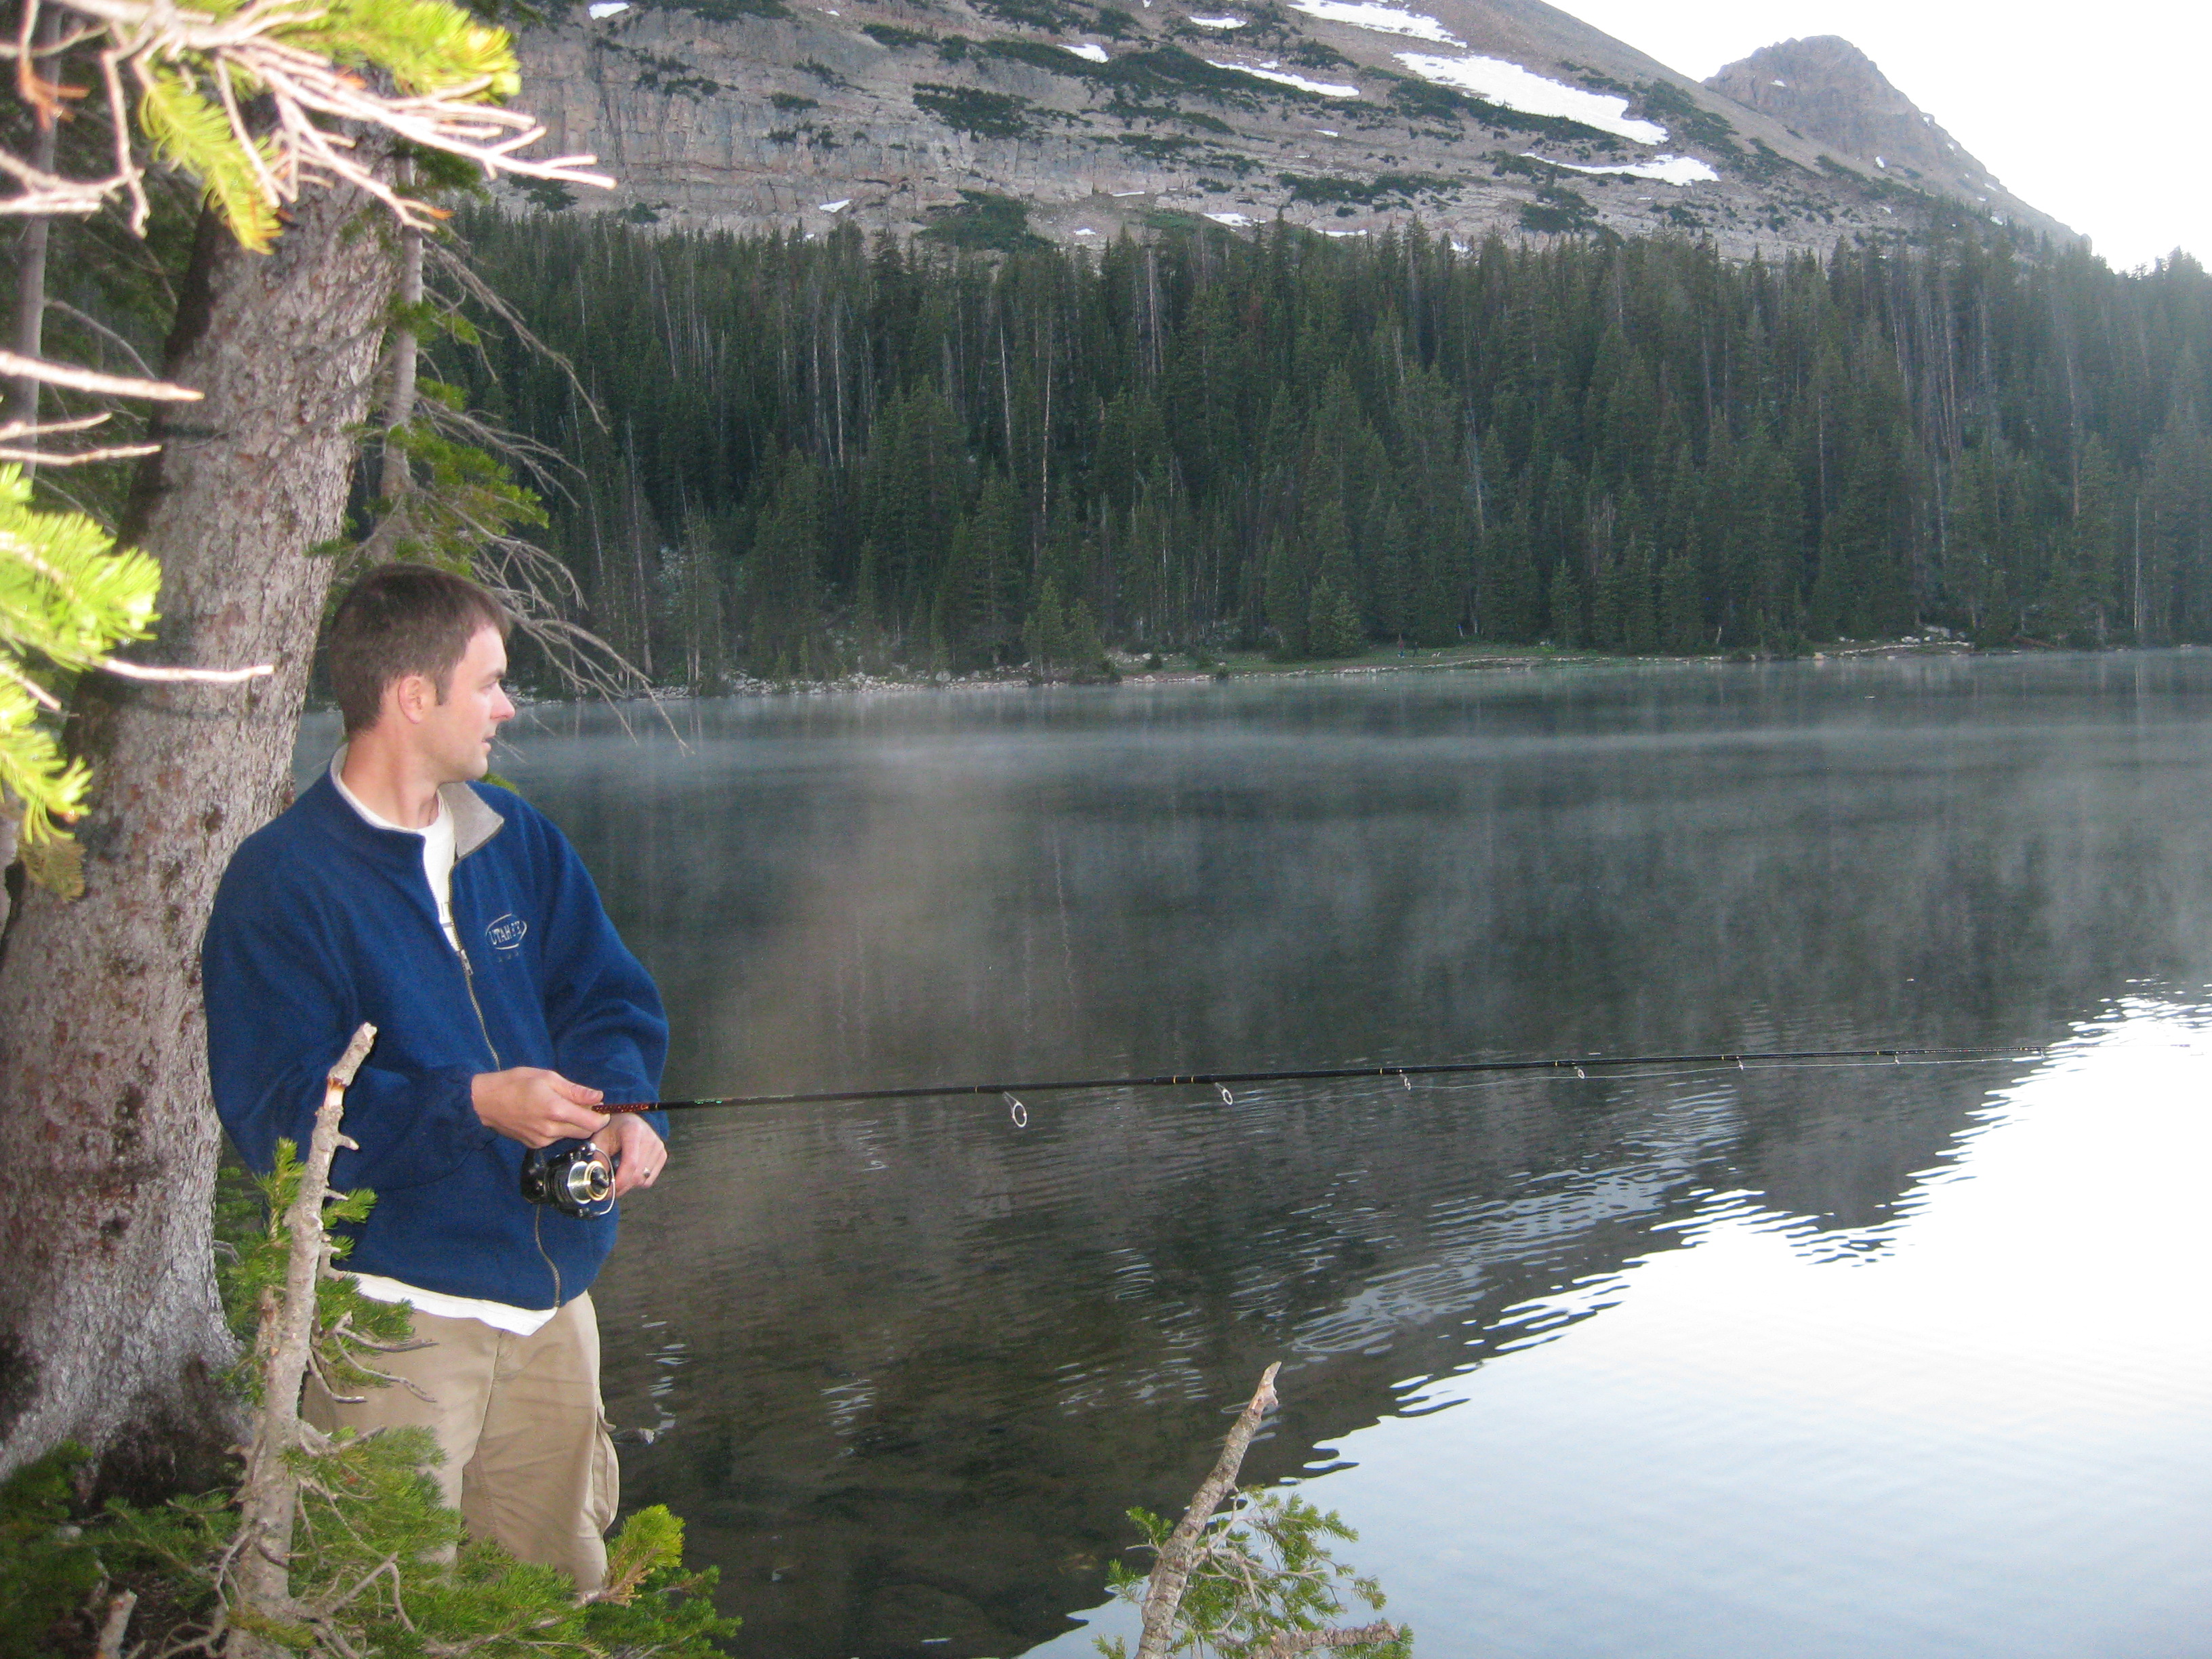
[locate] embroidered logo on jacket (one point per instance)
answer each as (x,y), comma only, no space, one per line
(507,932)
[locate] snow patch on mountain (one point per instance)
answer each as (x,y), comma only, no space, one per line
(1325,88)
(1382,20)
(1501,82)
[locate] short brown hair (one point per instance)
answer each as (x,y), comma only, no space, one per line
(403,619)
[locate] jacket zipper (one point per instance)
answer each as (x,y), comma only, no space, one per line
(469,978)
(468,967)
(537,1212)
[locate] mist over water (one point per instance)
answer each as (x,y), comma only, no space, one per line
(1596,1356)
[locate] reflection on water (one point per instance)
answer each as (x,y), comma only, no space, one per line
(914,1363)
(1976,1429)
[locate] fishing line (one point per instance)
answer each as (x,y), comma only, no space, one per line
(1995,1057)
(1611,1067)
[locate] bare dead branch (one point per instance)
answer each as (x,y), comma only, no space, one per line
(116,1626)
(451,263)
(48,193)
(102,329)
(541,461)
(140,670)
(52,48)
(1171,1574)
(128,176)
(29,687)
(387,1567)
(11,430)
(80,458)
(301,90)
(268,1500)
(86,380)
(1286,1643)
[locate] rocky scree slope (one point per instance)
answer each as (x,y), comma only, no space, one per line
(1828,90)
(982,122)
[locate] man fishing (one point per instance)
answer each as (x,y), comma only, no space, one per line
(401,890)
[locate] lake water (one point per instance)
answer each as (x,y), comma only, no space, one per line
(1908,1359)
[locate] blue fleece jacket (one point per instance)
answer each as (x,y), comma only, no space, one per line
(323,921)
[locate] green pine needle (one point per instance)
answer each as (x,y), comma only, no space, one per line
(67,598)
(192,134)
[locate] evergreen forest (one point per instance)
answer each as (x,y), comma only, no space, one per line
(800,458)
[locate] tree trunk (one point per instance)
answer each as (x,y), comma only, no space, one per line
(110,1333)
(400,403)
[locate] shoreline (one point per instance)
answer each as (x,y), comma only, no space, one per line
(1130,670)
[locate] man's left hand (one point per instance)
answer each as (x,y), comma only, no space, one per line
(639,1155)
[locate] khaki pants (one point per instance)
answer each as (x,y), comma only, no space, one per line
(528,1462)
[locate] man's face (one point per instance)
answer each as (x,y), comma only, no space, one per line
(455,734)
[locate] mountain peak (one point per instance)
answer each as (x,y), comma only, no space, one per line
(1825,88)
(990,123)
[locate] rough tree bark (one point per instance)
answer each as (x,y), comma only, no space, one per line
(110,1333)
(399,398)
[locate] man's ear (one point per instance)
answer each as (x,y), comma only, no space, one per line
(412,696)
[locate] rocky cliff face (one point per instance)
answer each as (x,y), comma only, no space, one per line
(985,120)
(1830,92)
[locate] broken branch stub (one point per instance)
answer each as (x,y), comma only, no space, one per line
(269,1500)
(1171,1574)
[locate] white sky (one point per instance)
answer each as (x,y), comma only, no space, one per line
(2096,114)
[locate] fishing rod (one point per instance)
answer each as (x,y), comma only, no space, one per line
(1582,1067)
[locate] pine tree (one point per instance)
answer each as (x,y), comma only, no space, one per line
(1639,626)
(690,613)
(1436,602)
(1333,626)
(782,580)
(1045,634)
(1086,654)
(1209,405)
(1287,599)
(1512,597)
(960,613)
(1608,608)
(2085,556)
(867,610)
(1563,612)
(1001,551)
(1681,626)
(1397,596)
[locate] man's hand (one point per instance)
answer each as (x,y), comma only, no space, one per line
(535,1107)
(639,1155)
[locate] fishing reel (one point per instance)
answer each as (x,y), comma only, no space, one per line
(580,1181)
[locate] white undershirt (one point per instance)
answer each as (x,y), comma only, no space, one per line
(437,852)
(438,869)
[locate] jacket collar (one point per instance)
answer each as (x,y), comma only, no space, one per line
(475,822)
